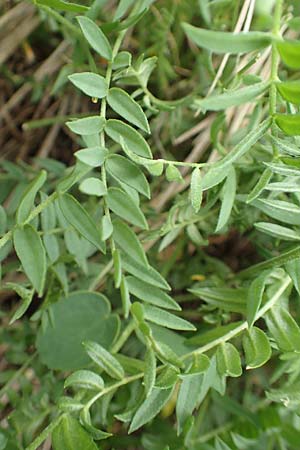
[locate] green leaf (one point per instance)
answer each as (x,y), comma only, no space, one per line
(77,216)
(87,125)
(201,364)
(166,354)
(79,317)
(214,176)
(289,51)
(125,297)
(126,107)
(26,296)
(69,435)
(284,329)
(147,274)
(283,169)
(173,174)
(150,371)
(289,123)
(121,204)
(284,186)
(228,194)
(31,253)
(293,269)
(257,348)
(285,212)
(228,299)
(286,146)
(231,98)
(117,267)
(89,83)
(104,360)
(124,170)
(150,294)
(93,186)
(167,378)
(126,239)
(106,228)
(94,432)
(225,42)
(95,37)
(85,379)
(166,319)
(93,156)
(278,231)
(290,90)
(27,200)
(69,405)
(63,6)
(187,399)
(255,295)
(228,360)
(124,134)
(260,185)
(155,169)
(196,189)
(150,408)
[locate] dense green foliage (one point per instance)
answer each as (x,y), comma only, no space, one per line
(139,329)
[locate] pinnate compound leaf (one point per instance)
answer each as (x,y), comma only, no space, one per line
(85,379)
(31,253)
(124,170)
(150,371)
(226,42)
(231,97)
(150,408)
(69,435)
(196,189)
(124,134)
(290,90)
(228,194)
(166,319)
(95,37)
(77,216)
(92,156)
(121,204)
(255,295)
(228,360)
(257,348)
(289,51)
(151,294)
(284,329)
(86,125)
(104,360)
(126,107)
(89,83)
(127,241)
(27,200)
(289,123)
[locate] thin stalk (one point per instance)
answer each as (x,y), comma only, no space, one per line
(45,433)
(123,337)
(17,374)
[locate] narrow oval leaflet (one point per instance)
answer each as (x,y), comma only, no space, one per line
(128,108)
(150,371)
(27,200)
(126,239)
(31,253)
(228,196)
(86,125)
(92,156)
(278,231)
(121,132)
(85,379)
(69,435)
(290,91)
(123,206)
(196,189)
(289,123)
(166,319)
(104,360)
(150,294)
(226,42)
(93,186)
(257,348)
(95,37)
(228,360)
(89,83)
(289,51)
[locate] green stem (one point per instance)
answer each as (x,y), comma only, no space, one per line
(44,434)
(17,374)
(35,212)
(123,337)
